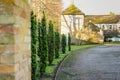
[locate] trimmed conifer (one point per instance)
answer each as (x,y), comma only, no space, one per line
(57,44)
(39,46)
(50,43)
(63,43)
(33,47)
(69,42)
(44,47)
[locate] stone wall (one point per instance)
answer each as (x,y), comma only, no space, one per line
(15,50)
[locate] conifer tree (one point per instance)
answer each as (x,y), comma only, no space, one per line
(50,43)
(57,44)
(39,47)
(33,47)
(44,47)
(63,43)
(69,42)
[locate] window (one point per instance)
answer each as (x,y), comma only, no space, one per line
(103,27)
(110,27)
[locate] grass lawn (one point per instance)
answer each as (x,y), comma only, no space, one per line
(112,42)
(51,69)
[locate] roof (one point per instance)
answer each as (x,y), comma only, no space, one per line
(72,10)
(93,27)
(103,19)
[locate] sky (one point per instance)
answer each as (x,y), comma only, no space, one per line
(95,7)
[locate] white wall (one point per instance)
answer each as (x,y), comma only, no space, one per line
(107,26)
(78,20)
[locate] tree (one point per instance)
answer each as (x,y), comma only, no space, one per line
(50,43)
(44,47)
(39,46)
(69,42)
(63,43)
(34,59)
(57,44)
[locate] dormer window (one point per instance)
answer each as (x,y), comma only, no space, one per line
(110,27)
(103,27)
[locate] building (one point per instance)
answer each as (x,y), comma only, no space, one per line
(110,26)
(105,22)
(72,19)
(73,22)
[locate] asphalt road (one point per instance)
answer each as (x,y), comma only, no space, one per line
(99,63)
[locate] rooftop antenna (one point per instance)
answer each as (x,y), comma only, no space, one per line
(72,1)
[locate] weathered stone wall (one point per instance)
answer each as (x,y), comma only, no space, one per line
(15,55)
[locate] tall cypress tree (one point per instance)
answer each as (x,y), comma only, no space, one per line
(50,43)
(44,47)
(39,46)
(63,43)
(69,42)
(34,47)
(57,44)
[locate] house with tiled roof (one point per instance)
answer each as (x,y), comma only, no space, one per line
(105,22)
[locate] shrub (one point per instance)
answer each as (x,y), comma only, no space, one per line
(39,47)
(69,42)
(34,59)
(57,44)
(44,47)
(50,43)
(63,43)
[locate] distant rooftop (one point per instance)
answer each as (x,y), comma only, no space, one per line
(93,27)
(72,10)
(103,19)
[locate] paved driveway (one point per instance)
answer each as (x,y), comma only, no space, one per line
(99,63)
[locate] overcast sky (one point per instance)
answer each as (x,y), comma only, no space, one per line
(96,6)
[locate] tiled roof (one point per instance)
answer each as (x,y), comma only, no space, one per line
(72,10)
(103,19)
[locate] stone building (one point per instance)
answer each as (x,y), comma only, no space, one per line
(15,50)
